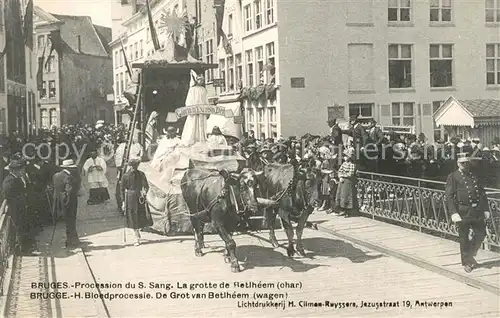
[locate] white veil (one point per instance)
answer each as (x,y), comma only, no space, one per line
(195,127)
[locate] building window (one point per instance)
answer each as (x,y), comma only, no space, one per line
(198,11)
(402,114)
(239,69)
(117,85)
(41,41)
(250,119)
(230,73)
(53,117)
(131,53)
(148,35)
(230,25)
(136,51)
(52,89)
(364,110)
(258,14)
(399,10)
(273,122)
(141,49)
(210,60)
(3,127)
(44,118)
(270,11)
(2,74)
(249,60)
(116,59)
(261,121)
(493,64)
(441,63)
(492,10)
(248,18)
(222,74)
(271,66)
(102,114)
(437,129)
(440,11)
(200,52)
(259,57)
(121,84)
(400,60)
(49,65)
(43,91)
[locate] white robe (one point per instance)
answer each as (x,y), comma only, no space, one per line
(196,125)
(217,140)
(96,179)
(163,152)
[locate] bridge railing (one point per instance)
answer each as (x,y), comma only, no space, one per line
(419,204)
(7,242)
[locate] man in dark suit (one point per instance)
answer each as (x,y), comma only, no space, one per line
(376,140)
(468,206)
(14,192)
(67,183)
(359,138)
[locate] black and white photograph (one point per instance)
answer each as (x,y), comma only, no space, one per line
(249,158)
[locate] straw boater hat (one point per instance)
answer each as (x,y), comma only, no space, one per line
(463,157)
(68,163)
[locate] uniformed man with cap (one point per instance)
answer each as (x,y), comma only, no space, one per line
(468,206)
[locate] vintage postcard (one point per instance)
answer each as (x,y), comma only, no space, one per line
(249,158)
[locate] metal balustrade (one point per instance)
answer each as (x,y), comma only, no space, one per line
(418,204)
(7,241)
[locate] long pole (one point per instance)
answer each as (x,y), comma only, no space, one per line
(131,132)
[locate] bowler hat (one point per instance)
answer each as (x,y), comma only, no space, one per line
(68,163)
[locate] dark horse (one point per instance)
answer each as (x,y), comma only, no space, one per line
(219,197)
(293,191)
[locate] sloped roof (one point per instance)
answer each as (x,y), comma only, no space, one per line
(104,34)
(91,42)
(482,107)
(44,16)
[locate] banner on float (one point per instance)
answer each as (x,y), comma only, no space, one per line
(202,109)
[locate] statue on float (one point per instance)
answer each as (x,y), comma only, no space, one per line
(195,126)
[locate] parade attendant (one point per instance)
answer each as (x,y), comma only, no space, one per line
(468,206)
(135,150)
(14,192)
(134,187)
(359,138)
(376,138)
(67,184)
(346,196)
(216,138)
(95,169)
(335,132)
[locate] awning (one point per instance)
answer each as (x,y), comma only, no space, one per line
(453,113)
(226,125)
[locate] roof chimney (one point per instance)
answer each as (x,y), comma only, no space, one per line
(79,40)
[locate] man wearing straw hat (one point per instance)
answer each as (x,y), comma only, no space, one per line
(67,184)
(468,207)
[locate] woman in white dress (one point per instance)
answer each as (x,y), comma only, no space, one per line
(217,138)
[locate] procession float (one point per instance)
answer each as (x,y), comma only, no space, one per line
(170,98)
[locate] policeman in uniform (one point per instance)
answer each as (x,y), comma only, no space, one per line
(468,206)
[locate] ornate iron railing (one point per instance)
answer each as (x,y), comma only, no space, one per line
(7,240)
(419,204)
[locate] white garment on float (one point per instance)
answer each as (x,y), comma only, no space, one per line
(96,178)
(196,125)
(217,140)
(165,148)
(135,152)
